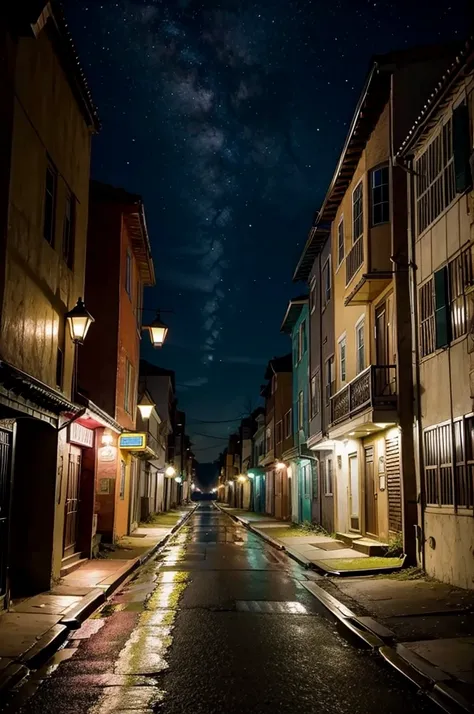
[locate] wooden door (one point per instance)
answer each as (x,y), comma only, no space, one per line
(5,468)
(354,492)
(71,518)
(371,525)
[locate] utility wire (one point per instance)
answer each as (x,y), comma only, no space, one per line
(211,436)
(223,421)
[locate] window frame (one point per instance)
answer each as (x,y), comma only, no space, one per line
(288,427)
(329,382)
(69,236)
(279,432)
(52,170)
(342,341)
(300,410)
(328,477)
(360,325)
(340,234)
(129,273)
(128,394)
(386,202)
(360,216)
(327,282)
(312,295)
(316,393)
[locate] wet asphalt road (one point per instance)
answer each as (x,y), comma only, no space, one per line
(218,623)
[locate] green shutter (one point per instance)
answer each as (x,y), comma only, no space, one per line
(442,316)
(462,148)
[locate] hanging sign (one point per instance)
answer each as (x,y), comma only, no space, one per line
(81,436)
(132,442)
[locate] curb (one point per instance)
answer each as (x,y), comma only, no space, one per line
(430,680)
(16,671)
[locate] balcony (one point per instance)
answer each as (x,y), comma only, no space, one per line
(368,266)
(354,259)
(375,387)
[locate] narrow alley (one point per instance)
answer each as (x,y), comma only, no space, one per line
(217,622)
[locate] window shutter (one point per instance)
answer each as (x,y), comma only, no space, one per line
(443,325)
(462,148)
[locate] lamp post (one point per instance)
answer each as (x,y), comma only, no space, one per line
(79,320)
(145,408)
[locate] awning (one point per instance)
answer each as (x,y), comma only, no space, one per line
(26,393)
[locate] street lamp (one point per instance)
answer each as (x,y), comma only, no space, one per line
(79,320)
(170,471)
(279,466)
(146,408)
(158,331)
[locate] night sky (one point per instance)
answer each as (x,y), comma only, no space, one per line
(228,118)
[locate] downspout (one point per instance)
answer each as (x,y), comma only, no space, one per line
(419,460)
(321,379)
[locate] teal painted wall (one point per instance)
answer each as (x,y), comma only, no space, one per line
(301,377)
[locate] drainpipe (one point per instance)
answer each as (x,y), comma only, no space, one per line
(419,460)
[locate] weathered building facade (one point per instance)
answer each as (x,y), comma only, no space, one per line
(44,183)
(436,154)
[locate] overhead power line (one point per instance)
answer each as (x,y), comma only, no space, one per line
(223,421)
(211,436)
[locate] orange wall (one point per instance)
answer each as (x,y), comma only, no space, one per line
(129,336)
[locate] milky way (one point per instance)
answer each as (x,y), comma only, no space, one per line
(228,118)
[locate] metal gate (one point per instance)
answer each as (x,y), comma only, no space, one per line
(71,518)
(5,467)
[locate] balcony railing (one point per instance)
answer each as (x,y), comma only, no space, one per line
(376,386)
(354,259)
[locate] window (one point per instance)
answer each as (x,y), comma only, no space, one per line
(360,346)
(278,432)
(288,424)
(380,196)
(443,304)
(302,340)
(462,148)
(268,439)
(122,479)
(129,387)
(59,368)
(50,203)
(307,480)
(300,410)
(340,242)
(312,295)
(128,274)
(427,323)
(329,383)
(69,230)
(328,477)
(139,305)
(449,462)
(326,282)
(357,212)
(342,358)
(435,181)
(315,394)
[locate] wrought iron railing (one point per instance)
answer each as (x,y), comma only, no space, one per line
(376,386)
(354,259)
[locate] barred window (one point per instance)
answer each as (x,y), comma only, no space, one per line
(460,276)
(357,212)
(449,464)
(435,185)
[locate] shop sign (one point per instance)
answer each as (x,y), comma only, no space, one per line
(132,442)
(80,435)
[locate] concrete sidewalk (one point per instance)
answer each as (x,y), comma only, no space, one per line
(33,628)
(423,628)
(316,550)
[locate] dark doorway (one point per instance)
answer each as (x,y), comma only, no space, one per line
(5,477)
(370,493)
(71,517)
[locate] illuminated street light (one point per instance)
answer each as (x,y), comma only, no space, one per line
(178,479)
(280,466)
(146,408)
(158,331)
(79,320)
(170,471)
(242,478)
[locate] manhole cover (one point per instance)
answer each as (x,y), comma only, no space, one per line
(330,545)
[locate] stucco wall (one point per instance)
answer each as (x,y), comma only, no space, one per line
(40,288)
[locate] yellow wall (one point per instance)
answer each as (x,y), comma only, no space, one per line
(122,505)
(345,318)
(40,288)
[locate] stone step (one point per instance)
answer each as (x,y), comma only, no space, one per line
(370,547)
(69,567)
(348,538)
